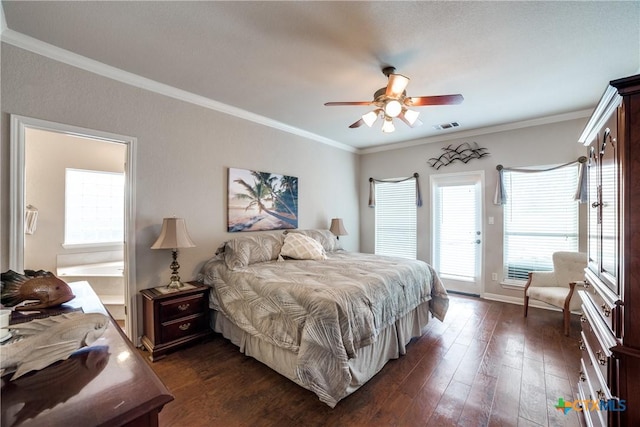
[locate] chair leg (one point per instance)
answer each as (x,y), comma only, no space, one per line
(526,305)
(567,321)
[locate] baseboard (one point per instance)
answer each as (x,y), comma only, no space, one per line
(520,301)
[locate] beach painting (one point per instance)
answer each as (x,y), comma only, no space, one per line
(260,201)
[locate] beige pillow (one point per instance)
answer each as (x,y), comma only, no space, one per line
(299,246)
(246,250)
(324,237)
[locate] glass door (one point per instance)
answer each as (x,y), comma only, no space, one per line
(457,230)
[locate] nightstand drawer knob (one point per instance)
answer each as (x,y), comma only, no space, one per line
(183,307)
(583,319)
(606,310)
(583,377)
(602,359)
(582,346)
(184,326)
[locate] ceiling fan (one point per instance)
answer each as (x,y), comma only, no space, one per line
(392,101)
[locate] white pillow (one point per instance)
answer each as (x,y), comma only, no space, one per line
(299,246)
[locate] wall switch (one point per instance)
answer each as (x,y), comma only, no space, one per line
(491,220)
(494,277)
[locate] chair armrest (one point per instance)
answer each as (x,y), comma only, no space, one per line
(542,278)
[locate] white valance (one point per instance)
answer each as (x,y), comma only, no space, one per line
(500,196)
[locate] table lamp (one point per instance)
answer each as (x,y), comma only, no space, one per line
(173,236)
(337,227)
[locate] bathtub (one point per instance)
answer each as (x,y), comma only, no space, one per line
(102,269)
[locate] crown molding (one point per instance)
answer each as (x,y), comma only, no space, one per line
(50,51)
(481,131)
(3,20)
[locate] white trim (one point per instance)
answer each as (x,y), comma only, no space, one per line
(62,55)
(3,19)
(19,124)
(456,178)
(520,301)
(609,101)
(481,131)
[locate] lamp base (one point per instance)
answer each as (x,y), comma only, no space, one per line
(175,284)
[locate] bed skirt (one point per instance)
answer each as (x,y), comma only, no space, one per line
(369,360)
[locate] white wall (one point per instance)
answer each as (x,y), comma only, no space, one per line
(183,152)
(553,143)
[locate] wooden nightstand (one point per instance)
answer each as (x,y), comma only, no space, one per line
(174,319)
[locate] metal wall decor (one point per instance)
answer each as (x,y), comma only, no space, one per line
(462,153)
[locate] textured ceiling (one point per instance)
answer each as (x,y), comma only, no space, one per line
(512,61)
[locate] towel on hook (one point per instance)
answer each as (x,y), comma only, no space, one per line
(30,219)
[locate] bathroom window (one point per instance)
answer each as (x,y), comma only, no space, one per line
(94,208)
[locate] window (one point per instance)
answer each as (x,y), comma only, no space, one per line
(540,218)
(396,219)
(94,207)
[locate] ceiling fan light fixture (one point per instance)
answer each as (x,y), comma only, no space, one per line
(388,126)
(411,116)
(392,108)
(397,84)
(370,118)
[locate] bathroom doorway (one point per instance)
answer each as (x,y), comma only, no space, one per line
(76,209)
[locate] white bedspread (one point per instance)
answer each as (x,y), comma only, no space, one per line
(324,310)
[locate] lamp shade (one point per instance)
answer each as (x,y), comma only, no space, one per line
(173,235)
(337,227)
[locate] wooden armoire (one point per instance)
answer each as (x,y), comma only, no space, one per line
(610,337)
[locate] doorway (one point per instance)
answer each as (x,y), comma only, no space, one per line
(45,158)
(457,230)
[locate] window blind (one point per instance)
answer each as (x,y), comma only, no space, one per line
(540,218)
(396,212)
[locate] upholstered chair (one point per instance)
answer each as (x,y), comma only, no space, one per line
(557,287)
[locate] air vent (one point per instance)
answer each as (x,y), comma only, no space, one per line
(446,126)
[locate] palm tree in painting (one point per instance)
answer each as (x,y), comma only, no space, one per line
(264,190)
(289,185)
(283,202)
(255,195)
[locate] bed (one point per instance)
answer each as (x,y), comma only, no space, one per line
(326,318)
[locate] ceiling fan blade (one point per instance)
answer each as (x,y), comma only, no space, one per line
(434,100)
(415,124)
(397,84)
(333,104)
(357,124)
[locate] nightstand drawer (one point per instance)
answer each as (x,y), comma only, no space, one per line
(182,307)
(183,327)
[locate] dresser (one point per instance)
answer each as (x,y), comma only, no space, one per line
(174,318)
(105,384)
(609,379)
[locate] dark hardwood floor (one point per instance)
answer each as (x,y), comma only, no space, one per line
(486,365)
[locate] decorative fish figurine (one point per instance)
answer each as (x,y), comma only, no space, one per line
(32,393)
(45,288)
(46,341)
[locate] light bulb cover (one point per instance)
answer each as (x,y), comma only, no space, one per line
(411,116)
(392,108)
(388,126)
(370,118)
